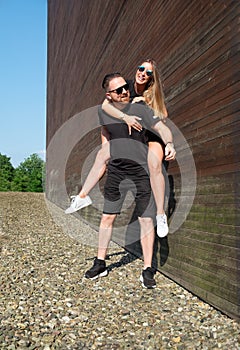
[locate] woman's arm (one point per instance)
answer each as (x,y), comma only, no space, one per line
(131,121)
(164,114)
(138,99)
(167,138)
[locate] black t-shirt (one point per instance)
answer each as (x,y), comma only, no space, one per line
(151,136)
(128,152)
(131,89)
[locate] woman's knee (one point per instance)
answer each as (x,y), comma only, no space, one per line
(155,165)
(155,157)
(102,155)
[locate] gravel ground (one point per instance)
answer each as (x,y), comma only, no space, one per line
(45,303)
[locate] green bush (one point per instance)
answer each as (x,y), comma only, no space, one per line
(27,177)
(6,173)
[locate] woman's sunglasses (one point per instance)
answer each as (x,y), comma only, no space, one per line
(148,71)
(120,89)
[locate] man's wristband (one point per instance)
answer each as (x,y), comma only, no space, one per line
(170,143)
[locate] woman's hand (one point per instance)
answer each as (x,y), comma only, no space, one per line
(138,99)
(170,152)
(132,122)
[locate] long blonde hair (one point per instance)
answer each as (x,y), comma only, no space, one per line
(154,95)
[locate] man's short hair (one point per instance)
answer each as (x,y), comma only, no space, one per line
(108,78)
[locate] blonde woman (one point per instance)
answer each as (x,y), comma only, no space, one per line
(147,87)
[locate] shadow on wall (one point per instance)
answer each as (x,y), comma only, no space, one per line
(160,252)
(161,246)
(126,232)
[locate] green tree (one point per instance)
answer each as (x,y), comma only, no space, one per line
(29,175)
(6,173)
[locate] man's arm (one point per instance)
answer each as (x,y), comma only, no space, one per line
(166,136)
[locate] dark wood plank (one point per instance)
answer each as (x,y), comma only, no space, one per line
(196,44)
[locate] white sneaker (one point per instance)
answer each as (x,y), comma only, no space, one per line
(78,203)
(162,226)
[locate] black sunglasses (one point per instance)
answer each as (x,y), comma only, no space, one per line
(148,71)
(120,89)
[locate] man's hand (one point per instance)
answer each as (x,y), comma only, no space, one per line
(170,152)
(132,122)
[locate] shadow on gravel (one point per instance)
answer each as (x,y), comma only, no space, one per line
(127,258)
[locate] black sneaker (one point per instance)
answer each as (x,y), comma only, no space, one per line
(147,278)
(97,270)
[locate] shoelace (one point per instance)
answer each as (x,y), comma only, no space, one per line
(162,219)
(73,199)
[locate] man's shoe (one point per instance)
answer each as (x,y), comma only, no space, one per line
(162,226)
(147,278)
(78,203)
(97,270)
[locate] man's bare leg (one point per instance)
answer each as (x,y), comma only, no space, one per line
(105,234)
(99,268)
(147,240)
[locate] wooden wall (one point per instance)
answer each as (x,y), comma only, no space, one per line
(196,44)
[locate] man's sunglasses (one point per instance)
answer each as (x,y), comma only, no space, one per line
(120,89)
(148,71)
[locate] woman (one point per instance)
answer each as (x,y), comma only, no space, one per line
(146,86)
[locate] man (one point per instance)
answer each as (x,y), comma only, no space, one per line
(128,162)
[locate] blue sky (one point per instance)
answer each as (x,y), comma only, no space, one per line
(23,74)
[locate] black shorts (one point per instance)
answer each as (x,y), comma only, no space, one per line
(152,137)
(118,184)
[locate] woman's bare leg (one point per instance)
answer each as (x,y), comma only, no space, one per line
(97,171)
(155,158)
